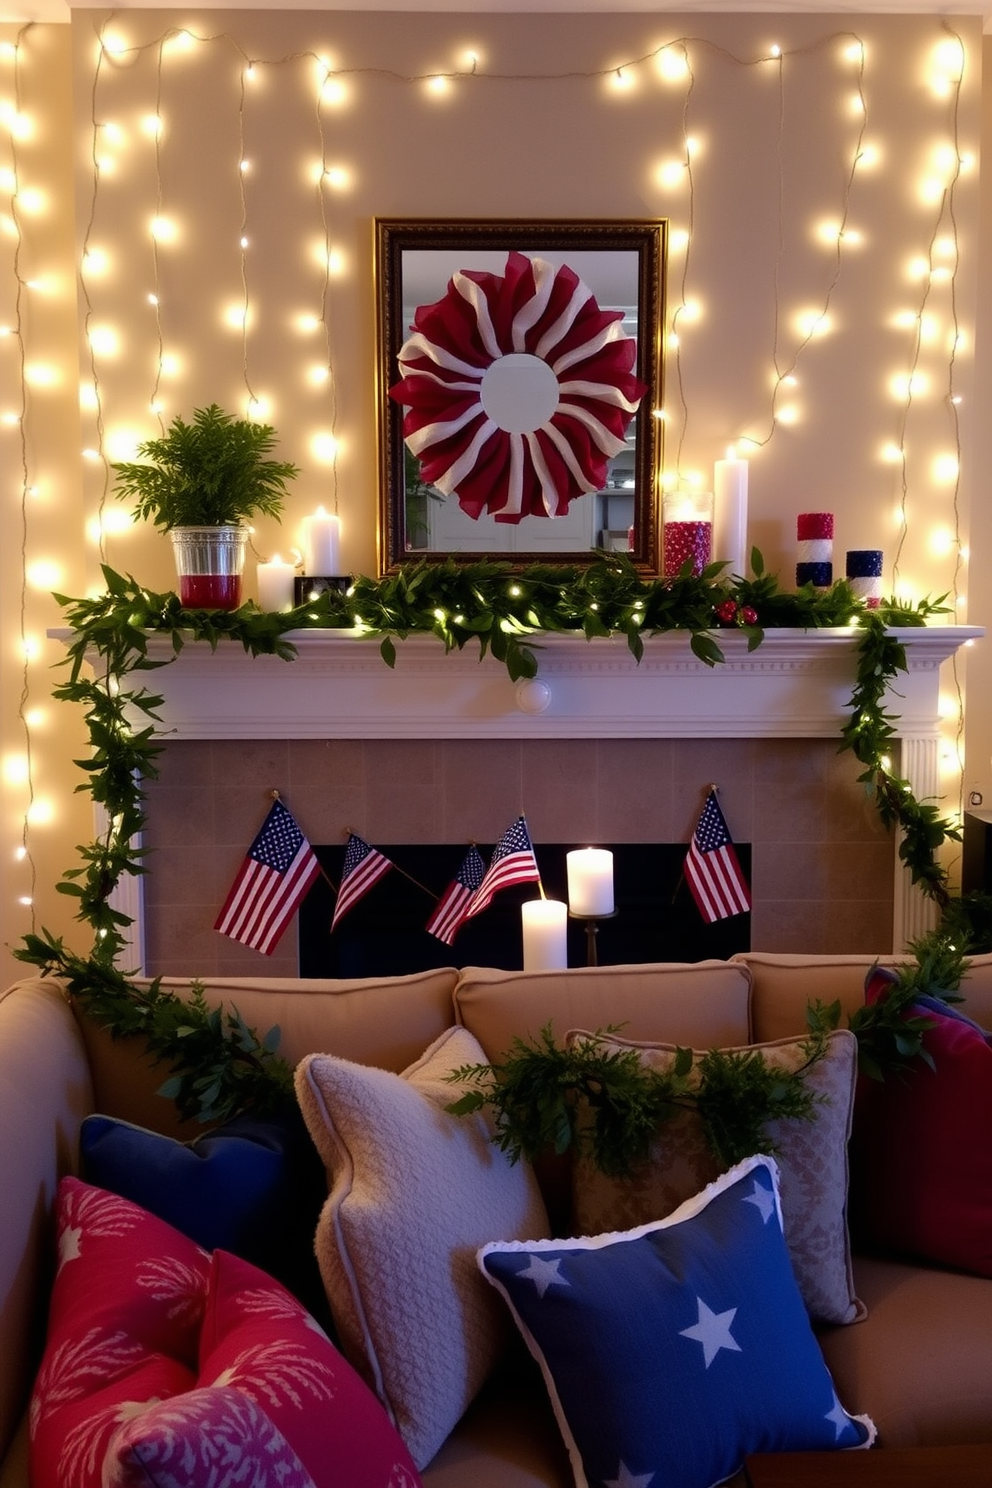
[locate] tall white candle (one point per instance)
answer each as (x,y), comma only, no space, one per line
(545,927)
(275,584)
(730,514)
(590,881)
(321,538)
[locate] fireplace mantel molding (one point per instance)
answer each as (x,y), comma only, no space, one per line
(796,684)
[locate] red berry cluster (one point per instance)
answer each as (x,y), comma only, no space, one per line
(729,612)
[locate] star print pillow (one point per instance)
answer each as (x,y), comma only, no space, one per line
(673,1350)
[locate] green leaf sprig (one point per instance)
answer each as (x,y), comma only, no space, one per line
(603,1101)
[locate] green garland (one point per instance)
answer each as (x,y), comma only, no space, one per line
(488,603)
(605,1102)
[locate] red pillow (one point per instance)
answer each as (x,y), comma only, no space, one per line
(123,1329)
(259,1340)
(921,1148)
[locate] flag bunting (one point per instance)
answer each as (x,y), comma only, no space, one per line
(363,867)
(271,883)
(512,862)
(712,870)
(453,905)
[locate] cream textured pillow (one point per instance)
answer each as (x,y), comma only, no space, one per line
(812,1158)
(414,1192)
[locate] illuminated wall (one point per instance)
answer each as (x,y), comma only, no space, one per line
(820,178)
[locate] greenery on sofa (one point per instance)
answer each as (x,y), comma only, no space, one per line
(586,1094)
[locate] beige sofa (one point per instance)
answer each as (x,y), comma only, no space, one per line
(919,1364)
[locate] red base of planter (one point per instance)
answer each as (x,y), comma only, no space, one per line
(210,591)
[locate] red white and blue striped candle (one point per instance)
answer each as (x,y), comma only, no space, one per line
(864,574)
(687,531)
(815,549)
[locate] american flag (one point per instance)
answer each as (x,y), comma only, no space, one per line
(513,861)
(452,907)
(273,879)
(715,877)
(363,866)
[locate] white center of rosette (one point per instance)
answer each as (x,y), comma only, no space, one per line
(519,392)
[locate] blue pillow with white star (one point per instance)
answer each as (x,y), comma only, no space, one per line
(673,1350)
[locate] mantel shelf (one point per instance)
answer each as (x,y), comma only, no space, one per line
(796,684)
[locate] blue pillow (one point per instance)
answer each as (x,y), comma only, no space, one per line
(253,1186)
(673,1350)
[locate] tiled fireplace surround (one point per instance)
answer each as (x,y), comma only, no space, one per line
(444,749)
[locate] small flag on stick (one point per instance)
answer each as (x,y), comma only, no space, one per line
(512,862)
(713,873)
(272,881)
(453,905)
(363,867)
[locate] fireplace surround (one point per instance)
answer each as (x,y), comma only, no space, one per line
(596,748)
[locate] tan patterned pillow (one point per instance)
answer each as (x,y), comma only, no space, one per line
(812,1157)
(414,1192)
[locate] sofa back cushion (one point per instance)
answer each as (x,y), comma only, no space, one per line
(783,985)
(384,1021)
(703,1004)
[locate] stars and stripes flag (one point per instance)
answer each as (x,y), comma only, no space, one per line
(273,879)
(712,871)
(363,866)
(453,905)
(513,861)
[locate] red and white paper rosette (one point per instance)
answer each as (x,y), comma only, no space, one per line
(581,389)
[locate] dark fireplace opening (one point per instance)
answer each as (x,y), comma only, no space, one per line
(384,934)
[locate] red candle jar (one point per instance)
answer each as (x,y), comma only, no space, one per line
(688,531)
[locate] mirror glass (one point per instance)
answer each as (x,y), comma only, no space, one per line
(518,374)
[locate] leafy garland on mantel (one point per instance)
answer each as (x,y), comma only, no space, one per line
(220,1066)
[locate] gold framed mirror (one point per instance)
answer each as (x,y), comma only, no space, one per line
(518,374)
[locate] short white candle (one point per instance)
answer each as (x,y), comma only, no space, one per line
(590,881)
(275,584)
(321,539)
(730,514)
(545,927)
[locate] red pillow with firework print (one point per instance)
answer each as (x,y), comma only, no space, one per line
(921,1145)
(259,1340)
(123,1330)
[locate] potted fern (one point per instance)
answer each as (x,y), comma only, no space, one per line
(201,482)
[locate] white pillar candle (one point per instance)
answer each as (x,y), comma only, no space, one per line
(545,927)
(275,584)
(321,537)
(730,514)
(590,881)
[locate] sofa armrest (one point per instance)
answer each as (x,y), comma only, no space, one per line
(45,1091)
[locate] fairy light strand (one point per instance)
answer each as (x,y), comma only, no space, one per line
(95,128)
(325,291)
(243,246)
(684,278)
(154,400)
(780,374)
(20,282)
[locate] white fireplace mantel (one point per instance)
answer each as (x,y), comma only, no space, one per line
(796,684)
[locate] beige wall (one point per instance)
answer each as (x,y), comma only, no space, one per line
(542,128)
